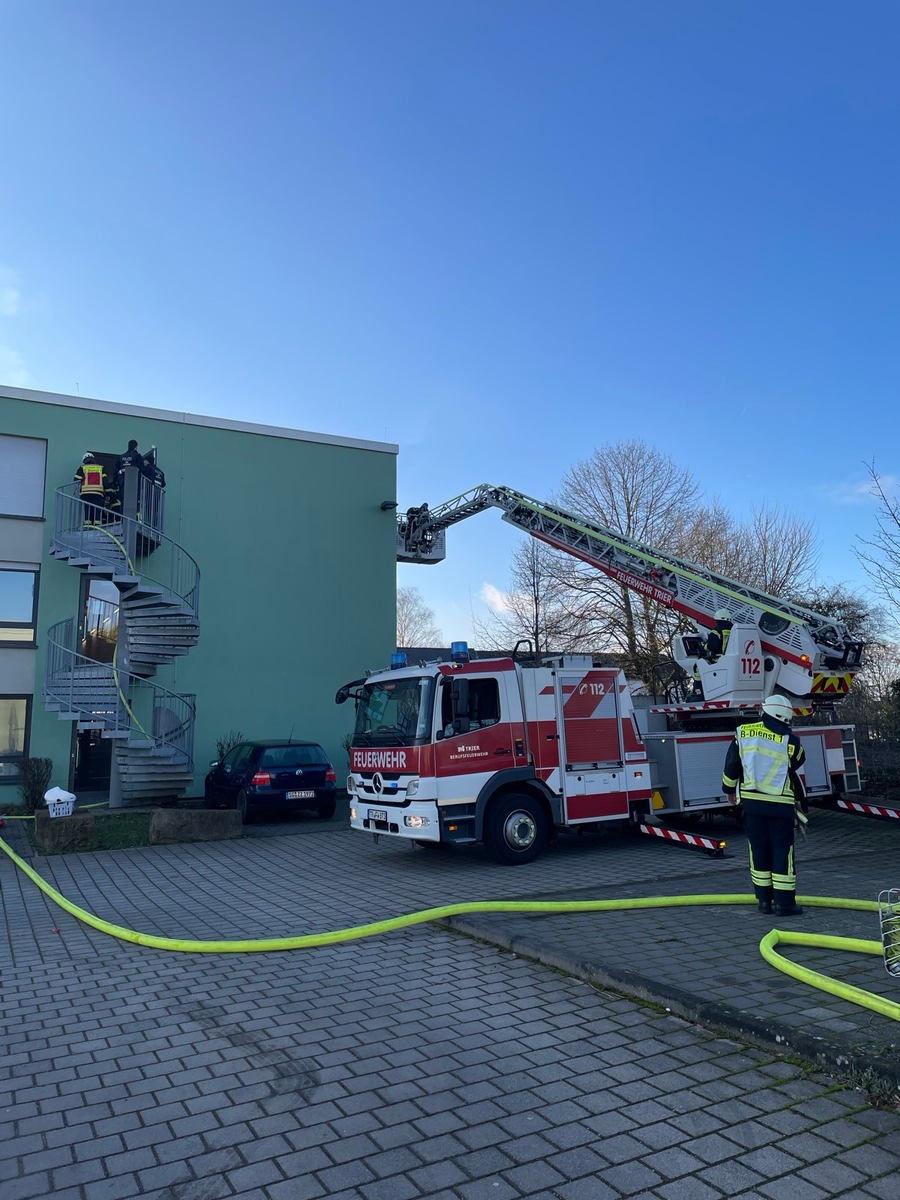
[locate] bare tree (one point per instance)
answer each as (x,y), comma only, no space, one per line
(866,622)
(773,551)
(415,620)
(535,607)
(873,704)
(641,492)
(881,557)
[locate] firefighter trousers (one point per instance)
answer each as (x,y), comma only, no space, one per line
(771,838)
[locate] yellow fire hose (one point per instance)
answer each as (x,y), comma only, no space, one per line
(305,941)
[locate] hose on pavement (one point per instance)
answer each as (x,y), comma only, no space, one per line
(305,941)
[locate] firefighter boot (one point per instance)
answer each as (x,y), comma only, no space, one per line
(786,905)
(764,896)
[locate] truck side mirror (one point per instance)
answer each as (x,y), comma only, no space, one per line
(459,697)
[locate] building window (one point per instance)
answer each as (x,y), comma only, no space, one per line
(18,606)
(23,465)
(14,717)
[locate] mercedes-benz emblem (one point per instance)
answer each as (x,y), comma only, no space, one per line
(298,772)
(377,783)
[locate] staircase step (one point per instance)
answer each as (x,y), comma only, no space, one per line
(170,615)
(175,788)
(182,626)
(138,590)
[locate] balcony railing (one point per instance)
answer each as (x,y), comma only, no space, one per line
(115,541)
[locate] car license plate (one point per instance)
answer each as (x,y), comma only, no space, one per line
(377,814)
(300,795)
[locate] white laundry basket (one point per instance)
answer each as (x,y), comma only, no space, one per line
(59,802)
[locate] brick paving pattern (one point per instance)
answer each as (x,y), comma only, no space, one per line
(422,1063)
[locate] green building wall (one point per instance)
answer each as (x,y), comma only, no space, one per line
(297,564)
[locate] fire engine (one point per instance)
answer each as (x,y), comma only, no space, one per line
(508,753)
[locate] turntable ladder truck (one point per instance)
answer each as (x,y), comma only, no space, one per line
(509,754)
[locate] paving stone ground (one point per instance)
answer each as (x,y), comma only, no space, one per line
(424,1063)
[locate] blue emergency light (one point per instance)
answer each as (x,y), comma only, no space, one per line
(398,661)
(459,651)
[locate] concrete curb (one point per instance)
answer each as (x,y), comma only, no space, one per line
(834,1054)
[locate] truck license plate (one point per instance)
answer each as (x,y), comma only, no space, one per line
(300,795)
(377,814)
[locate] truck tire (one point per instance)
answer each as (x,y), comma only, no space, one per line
(515,830)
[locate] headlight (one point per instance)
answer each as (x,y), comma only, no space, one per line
(412,787)
(351,784)
(415,822)
(352,812)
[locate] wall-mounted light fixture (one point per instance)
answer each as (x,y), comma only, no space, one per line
(386,505)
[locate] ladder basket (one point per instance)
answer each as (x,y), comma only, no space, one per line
(889,916)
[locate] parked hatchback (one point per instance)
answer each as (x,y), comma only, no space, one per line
(290,776)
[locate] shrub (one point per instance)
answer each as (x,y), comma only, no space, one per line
(36,773)
(227,742)
(347,743)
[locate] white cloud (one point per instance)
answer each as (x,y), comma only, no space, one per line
(10,298)
(861,492)
(12,368)
(496,600)
(10,292)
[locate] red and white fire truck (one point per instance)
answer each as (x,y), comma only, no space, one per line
(498,751)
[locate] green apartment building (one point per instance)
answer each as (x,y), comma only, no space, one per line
(238,597)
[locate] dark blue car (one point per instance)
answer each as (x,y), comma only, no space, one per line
(290,776)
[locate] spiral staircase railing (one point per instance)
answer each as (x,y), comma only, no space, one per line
(156,620)
(117,541)
(72,677)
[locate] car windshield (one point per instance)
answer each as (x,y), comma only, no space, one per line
(396,712)
(292,756)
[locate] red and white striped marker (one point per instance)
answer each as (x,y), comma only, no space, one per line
(871,810)
(689,839)
(700,706)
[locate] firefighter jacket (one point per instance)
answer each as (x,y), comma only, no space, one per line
(761,765)
(717,641)
(92,478)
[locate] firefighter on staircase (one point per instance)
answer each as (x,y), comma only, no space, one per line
(761,774)
(94,488)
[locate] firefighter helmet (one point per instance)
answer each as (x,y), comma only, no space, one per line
(87,457)
(722,614)
(778,707)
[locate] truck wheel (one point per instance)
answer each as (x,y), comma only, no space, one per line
(515,830)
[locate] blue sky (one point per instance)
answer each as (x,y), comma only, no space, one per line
(497,233)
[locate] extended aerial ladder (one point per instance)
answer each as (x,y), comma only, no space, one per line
(775,645)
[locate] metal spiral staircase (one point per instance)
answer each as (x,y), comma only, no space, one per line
(158,582)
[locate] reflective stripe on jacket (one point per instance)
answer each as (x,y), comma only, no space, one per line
(763,760)
(92,479)
(717,643)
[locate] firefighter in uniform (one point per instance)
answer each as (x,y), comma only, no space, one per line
(761,767)
(715,645)
(94,487)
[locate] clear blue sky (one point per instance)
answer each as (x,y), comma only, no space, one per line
(498,233)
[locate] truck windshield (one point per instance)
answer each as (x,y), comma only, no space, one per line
(396,712)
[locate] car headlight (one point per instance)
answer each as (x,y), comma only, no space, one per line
(352,812)
(351,785)
(412,787)
(415,822)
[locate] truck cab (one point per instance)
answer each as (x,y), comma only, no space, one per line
(495,752)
